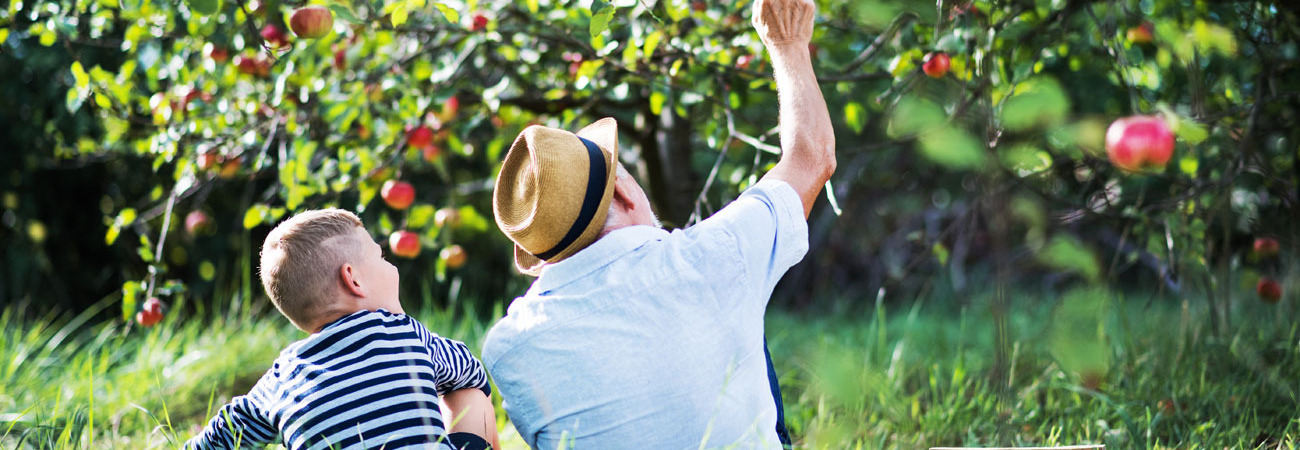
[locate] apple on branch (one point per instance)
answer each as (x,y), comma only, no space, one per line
(936,64)
(454,256)
(1269,290)
(404,244)
(311,22)
(397,194)
(1139,143)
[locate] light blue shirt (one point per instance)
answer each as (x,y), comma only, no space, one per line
(651,339)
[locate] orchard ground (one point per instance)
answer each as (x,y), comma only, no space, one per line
(915,377)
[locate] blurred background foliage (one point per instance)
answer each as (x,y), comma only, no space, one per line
(123,118)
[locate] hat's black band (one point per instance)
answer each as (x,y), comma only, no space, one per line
(590,202)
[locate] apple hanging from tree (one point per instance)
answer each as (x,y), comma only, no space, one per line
(449,109)
(1269,290)
(1139,143)
(936,64)
(311,22)
(453,255)
(1140,34)
(446,217)
(151,314)
(217,54)
(480,22)
(397,194)
(404,244)
(1266,247)
(274,36)
(419,137)
(197,222)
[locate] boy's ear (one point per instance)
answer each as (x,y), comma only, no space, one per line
(351,283)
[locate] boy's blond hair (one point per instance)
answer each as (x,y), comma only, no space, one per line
(299,269)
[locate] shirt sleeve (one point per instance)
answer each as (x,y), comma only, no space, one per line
(457,368)
(768,228)
(242,423)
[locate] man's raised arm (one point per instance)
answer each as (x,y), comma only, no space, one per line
(807,139)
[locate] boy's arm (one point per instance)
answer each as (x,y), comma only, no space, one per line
(470,411)
(238,424)
(807,139)
(456,367)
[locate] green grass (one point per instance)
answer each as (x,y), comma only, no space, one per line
(920,376)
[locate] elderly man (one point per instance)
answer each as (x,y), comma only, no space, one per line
(635,337)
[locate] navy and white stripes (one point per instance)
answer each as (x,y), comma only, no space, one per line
(369,380)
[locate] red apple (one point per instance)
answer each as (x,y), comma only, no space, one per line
(1266,247)
(446,217)
(397,194)
(207,160)
(699,5)
(404,244)
(218,54)
(340,58)
(1269,290)
(153,305)
(936,64)
(230,167)
(274,36)
(480,22)
(255,66)
(454,256)
(151,314)
(1139,143)
(311,22)
(449,109)
(419,137)
(1140,34)
(197,222)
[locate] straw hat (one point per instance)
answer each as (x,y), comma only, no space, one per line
(554,189)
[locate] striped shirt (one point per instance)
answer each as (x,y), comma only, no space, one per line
(370,380)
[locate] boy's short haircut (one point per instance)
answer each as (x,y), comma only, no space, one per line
(298,268)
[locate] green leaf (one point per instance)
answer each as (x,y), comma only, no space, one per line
(855,116)
(657,102)
(532,6)
(254,216)
(342,11)
(600,19)
(1189,131)
(651,43)
(205,7)
(1040,101)
(450,14)
(953,148)
(397,10)
(79,74)
(1077,336)
(914,116)
(74,100)
(1067,253)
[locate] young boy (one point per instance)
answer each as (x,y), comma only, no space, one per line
(368,376)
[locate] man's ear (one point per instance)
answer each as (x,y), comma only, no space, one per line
(351,284)
(622,197)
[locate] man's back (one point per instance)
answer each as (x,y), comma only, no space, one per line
(653,340)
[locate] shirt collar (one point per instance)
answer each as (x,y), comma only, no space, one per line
(599,254)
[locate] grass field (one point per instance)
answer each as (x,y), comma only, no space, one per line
(929,374)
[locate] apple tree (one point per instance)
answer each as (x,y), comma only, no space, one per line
(972,134)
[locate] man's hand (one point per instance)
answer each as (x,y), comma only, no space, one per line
(807,138)
(784,22)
